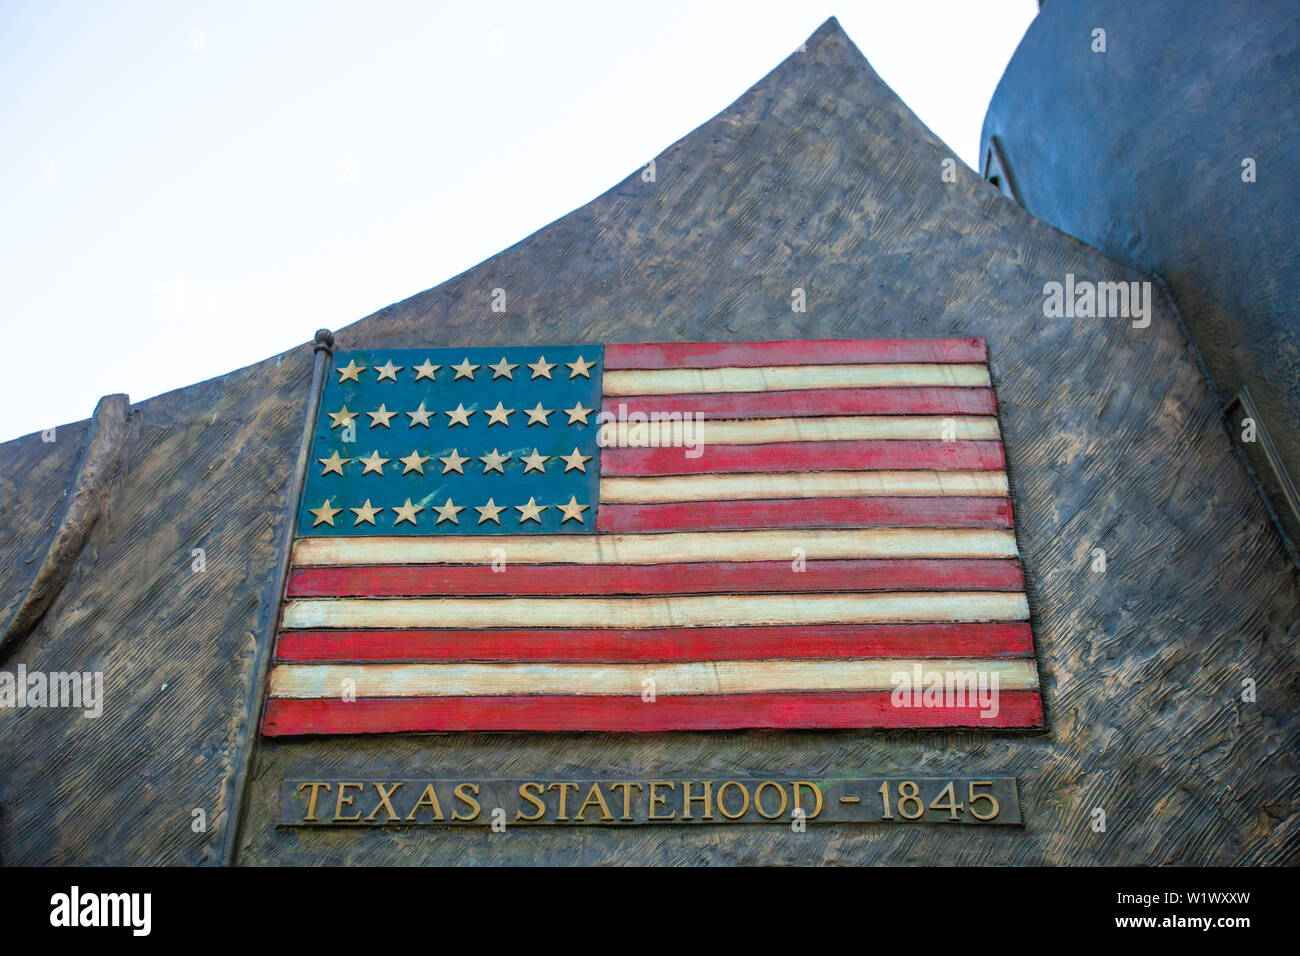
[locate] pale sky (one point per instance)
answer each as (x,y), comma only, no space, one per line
(189,187)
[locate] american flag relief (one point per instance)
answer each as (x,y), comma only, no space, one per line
(655,537)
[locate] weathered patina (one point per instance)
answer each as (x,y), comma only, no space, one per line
(817,178)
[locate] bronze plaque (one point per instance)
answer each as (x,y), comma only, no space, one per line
(350,802)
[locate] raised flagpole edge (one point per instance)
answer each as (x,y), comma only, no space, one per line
(237,791)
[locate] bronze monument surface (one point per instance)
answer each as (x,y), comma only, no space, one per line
(813,208)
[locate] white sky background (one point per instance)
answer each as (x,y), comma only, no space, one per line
(303,165)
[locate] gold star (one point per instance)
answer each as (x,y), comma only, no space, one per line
(333,463)
(388,371)
(420,416)
(458,415)
(531,511)
(489,512)
(374,463)
(448,512)
(534,462)
(365,513)
(578,412)
(350,371)
(572,510)
(580,368)
(576,460)
(453,462)
(425,371)
(493,462)
(406,512)
(325,514)
(465,370)
(538,414)
(342,417)
(414,462)
(541,368)
(381,417)
(499,415)
(503,369)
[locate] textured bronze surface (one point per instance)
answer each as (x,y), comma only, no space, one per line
(86,500)
(1173,150)
(817,178)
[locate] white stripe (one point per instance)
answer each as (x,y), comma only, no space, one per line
(816,484)
(691,610)
(779,378)
(664,548)
(678,432)
(670,679)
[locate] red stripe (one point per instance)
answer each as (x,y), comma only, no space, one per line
(798,352)
(803,456)
(286,717)
(802,403)
(820,642)
(702,577)
(883,512)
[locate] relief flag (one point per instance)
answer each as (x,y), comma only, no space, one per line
(656,537)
